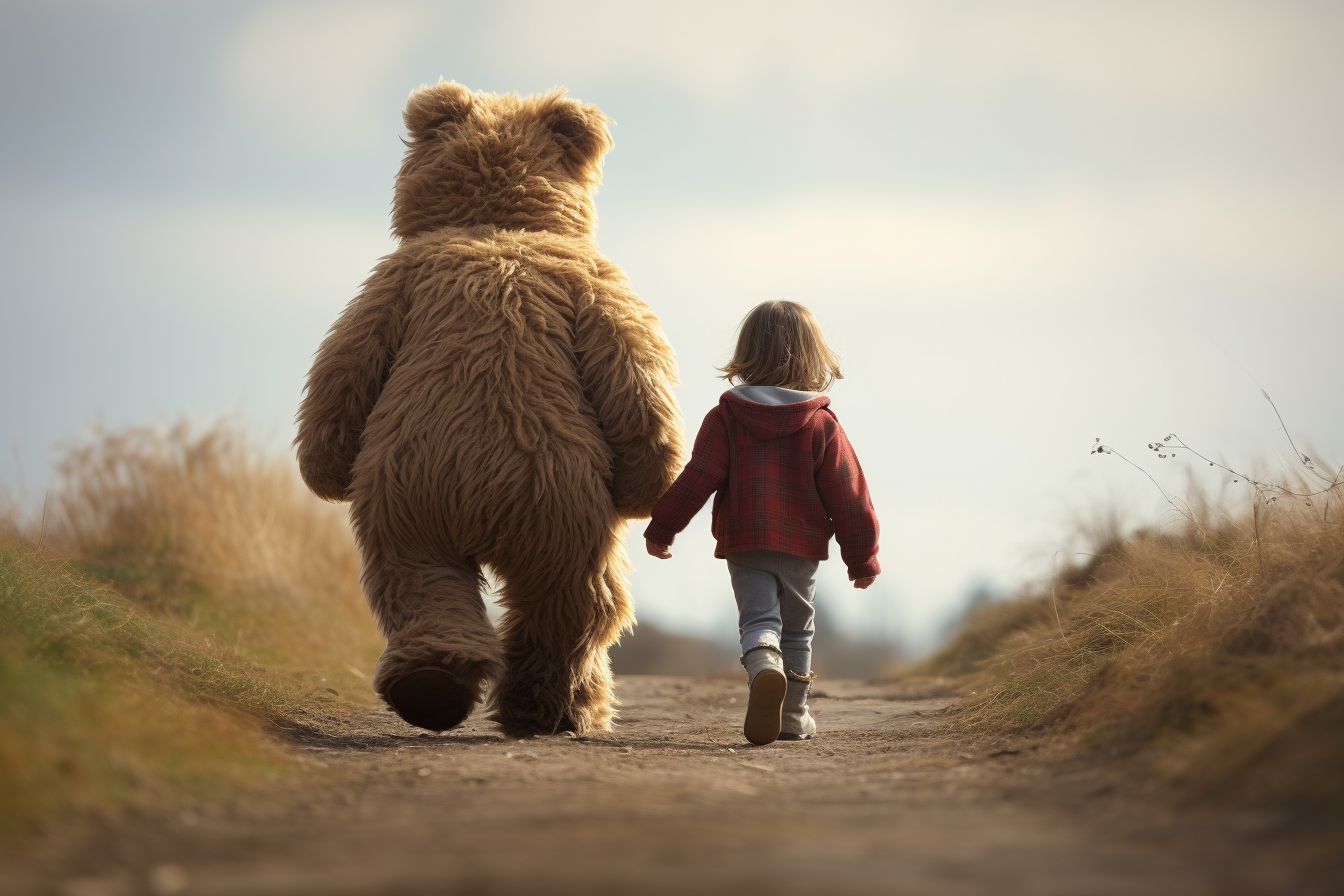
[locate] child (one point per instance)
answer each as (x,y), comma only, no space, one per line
(785,479)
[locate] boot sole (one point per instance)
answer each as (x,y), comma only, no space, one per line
(431,699)
(765,705)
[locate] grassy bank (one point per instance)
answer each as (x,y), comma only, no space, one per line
(105,705)
(183,597)
(208,530)
(1214,654)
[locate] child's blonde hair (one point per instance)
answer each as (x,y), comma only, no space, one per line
(780,344)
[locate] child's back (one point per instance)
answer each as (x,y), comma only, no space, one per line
(785,478)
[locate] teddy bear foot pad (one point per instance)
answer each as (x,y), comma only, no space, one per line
(431,699)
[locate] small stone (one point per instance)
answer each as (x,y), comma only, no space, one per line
(167,879)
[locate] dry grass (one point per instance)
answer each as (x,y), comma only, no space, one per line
(202,594)
(982,637)
(204,528)
(1216,652)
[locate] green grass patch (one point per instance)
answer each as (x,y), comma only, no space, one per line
(105,706)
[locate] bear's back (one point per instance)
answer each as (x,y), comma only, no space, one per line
(495,315)
(484,396)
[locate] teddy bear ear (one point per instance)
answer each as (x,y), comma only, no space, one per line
(579,129)
(431,107)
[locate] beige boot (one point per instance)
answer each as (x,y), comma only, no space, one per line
(796,722)
(765,676)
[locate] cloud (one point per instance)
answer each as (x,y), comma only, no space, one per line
(250,260)
(1159,54)
(313,72)
(1067,246)
(1155,54)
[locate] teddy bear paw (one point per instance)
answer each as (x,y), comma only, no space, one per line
(432,699)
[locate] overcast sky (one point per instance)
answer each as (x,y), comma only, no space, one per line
(1024,225)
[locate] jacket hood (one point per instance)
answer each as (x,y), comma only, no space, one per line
(772,412)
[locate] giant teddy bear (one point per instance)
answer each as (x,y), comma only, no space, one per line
(496,395)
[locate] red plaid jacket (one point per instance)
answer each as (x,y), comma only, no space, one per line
(784,478)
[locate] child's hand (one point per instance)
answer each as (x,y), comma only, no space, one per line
(657,550)
(859,583)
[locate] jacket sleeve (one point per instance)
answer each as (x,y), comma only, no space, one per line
(346,378)
(628,370)
(844,493)
(703,476)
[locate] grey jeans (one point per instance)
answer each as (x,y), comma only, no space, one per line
(774,593)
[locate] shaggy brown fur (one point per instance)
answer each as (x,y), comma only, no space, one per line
(497,395)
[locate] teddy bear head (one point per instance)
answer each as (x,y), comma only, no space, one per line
(483,159)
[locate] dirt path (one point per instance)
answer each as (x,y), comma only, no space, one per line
(674,801)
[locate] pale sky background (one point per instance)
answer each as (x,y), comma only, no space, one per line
(1024,225)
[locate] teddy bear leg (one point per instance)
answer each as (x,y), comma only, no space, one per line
(557,627)
(441,647)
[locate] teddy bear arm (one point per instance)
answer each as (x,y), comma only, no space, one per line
(642,475)
(346,378)
(628,372)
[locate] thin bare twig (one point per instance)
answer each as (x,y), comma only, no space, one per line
(1266,493)
(1302,458)
(1053,602)
(42,533)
